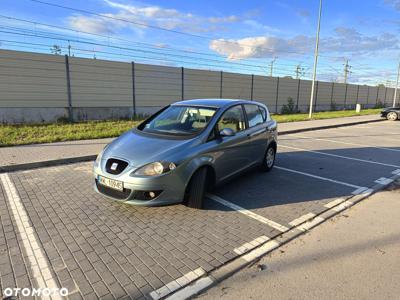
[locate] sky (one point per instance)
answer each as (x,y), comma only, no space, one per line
(236,36)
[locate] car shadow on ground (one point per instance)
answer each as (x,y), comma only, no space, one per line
(255,189)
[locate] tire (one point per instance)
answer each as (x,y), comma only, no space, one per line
(196,189)
(392,116)
(269,159)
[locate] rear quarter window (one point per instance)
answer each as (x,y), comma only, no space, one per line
(264,113)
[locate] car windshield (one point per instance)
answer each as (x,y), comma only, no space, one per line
(180,120)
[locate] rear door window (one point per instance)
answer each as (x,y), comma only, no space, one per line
(254,115)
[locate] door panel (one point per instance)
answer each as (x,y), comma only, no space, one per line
(231,152)
(257,133)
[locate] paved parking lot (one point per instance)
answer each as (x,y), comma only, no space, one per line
(56,231)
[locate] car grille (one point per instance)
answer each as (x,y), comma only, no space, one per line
(121,165)
(113,193)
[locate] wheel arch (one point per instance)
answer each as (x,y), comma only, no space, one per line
(273,144)
(211,174)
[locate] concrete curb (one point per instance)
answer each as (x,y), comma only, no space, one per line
(40,164)
(216,276)
(48,163)
(329,126)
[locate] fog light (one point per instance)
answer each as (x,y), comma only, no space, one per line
(145,195)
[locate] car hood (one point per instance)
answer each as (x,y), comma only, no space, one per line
(140,149)
(391,108)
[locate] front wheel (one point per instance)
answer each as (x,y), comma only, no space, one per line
(269,159)
(392,116)
(195,193)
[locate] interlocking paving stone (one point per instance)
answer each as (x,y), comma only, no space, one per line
(99,247)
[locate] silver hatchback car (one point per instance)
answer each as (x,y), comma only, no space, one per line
(185,149)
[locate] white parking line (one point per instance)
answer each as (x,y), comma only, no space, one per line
(384,181)
(264,249)
(248,213)
(334,202)
(310,224)
(342,206)
(341,156)
(177,284)
(191,290)
(363,191)
(396,172)
(347,143)
(37,260)
(250,245)
(319,177)
(302,219)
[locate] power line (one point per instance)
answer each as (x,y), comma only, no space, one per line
(160,28)
(34,33)
(142,44)
(165,47)
(130,55)
(126,48)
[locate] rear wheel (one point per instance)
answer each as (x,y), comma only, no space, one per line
(196,188)
(392,116)
(269,159)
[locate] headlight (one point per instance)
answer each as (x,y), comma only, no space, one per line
(98,158)
(155,168)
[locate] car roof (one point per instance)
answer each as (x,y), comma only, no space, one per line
(218,103)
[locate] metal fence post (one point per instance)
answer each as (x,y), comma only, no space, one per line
(220,85)
(277,95)
(252,86)
(384,101)
(358,90)
(345,96)
(366,104)
(377,95)
(298,95)
(67,73)
(133,91)
(332,88)
(183,82)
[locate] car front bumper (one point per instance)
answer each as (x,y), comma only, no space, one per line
(170,186)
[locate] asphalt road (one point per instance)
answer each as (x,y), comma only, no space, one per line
(56,231)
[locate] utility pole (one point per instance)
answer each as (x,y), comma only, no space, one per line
(315,60)
(272,66)
(347,71)
(69,49)
(299,71)
(397,86)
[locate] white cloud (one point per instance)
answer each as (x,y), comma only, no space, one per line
(344,41)
(152,15)
(350,40)
(394,3)
(92,24)
(260,46)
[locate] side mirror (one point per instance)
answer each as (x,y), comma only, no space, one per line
(227,132)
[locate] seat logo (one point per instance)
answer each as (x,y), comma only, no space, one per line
(114,166)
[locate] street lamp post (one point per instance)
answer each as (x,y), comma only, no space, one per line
(315,61)
(396,88)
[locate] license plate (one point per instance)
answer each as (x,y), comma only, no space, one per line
(111,183)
